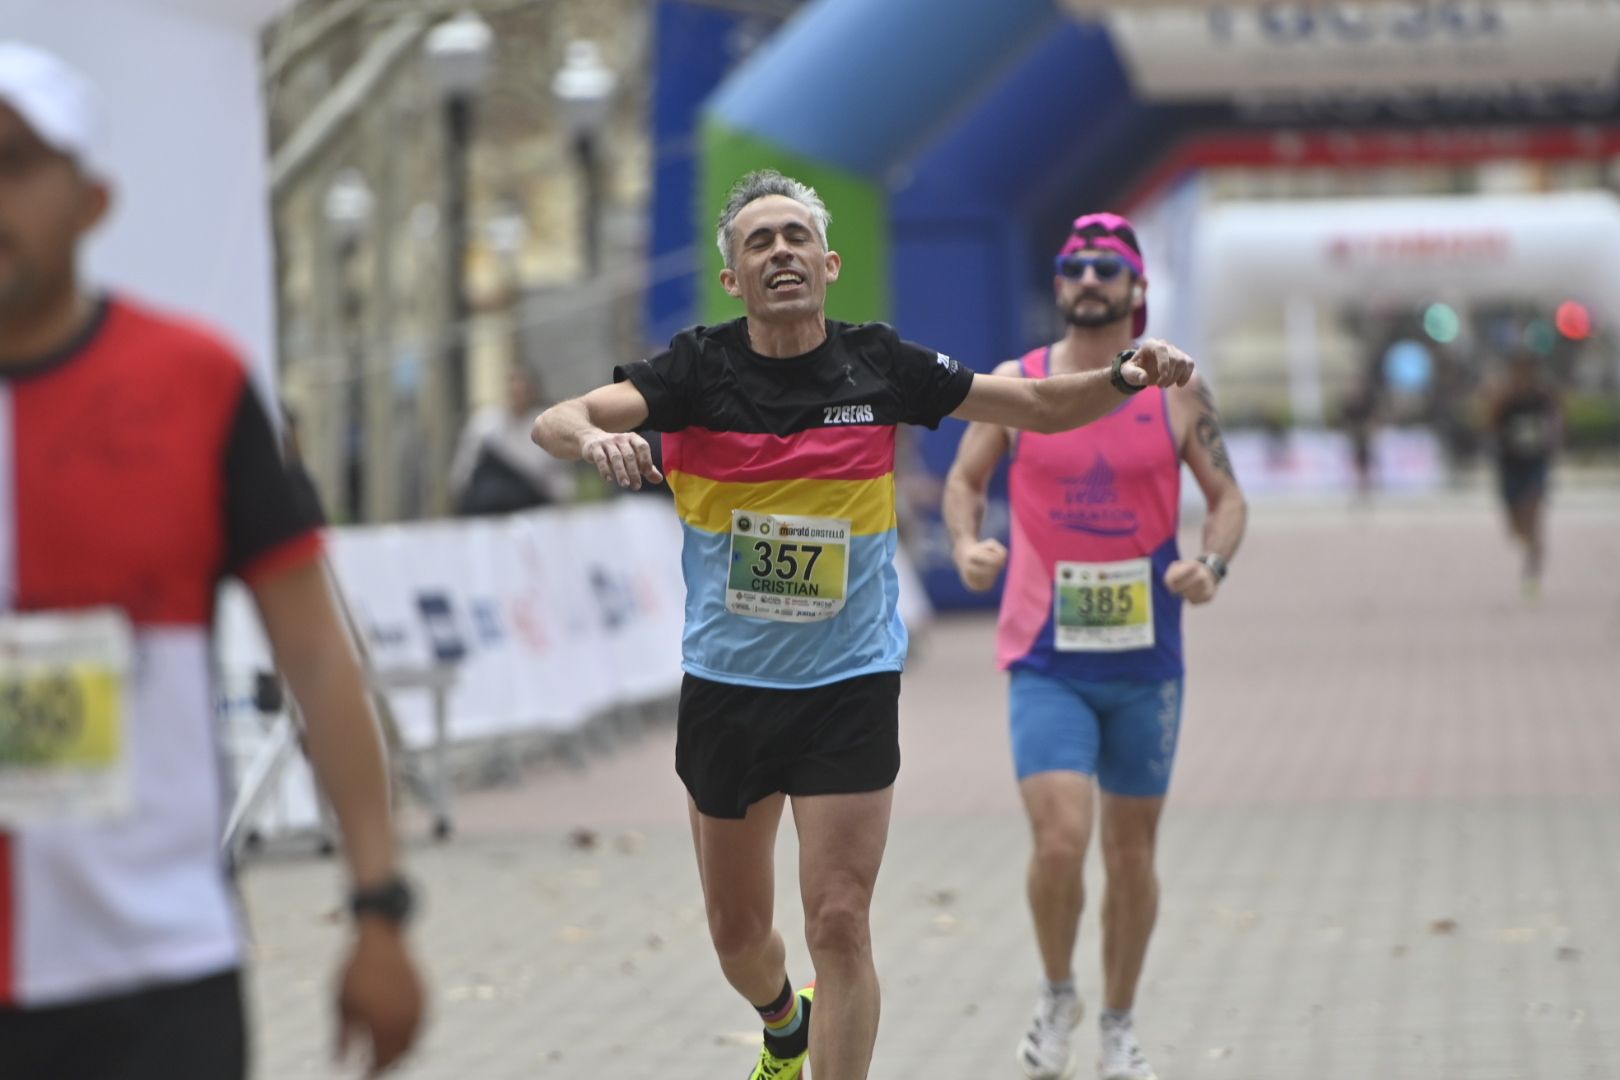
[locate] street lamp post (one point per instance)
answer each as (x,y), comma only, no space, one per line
(458,57)
(348,209)
(584,89)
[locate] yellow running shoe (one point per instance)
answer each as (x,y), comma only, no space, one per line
(770,1066)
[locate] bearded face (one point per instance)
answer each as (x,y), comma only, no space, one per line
(1094,288)
(1092,308)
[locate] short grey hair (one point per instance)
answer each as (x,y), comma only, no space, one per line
(757,185)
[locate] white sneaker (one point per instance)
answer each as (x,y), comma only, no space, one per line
(1044,1052)
(1122,1058)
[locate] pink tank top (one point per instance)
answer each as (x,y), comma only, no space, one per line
(1094,518)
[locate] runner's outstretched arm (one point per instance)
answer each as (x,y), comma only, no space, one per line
(1061,402)
(598,428)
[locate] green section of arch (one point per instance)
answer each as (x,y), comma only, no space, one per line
(859,233)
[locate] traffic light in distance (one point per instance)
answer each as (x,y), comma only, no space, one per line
(1573,320)
(1441,322)
(1540,337)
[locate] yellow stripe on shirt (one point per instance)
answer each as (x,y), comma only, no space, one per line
(707,504)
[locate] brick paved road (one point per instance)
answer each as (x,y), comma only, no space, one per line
(1391,850)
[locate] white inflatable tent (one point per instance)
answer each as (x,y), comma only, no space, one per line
(1463,249)
(1308,257)
(184,95)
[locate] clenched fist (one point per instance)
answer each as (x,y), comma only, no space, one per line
(1157,363)
(379,998)
(1191,580)
(980,563)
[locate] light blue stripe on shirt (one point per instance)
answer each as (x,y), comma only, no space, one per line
(867,636)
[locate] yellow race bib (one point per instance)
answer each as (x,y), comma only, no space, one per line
(1103,607)
(64,738)
(787,567)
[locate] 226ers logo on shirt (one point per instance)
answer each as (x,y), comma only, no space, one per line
(847,414)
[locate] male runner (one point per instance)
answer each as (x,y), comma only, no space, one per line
(779,445)
(137,467)
(1525,424)
(1090,627)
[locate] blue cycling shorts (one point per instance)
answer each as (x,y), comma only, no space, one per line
(1122,733)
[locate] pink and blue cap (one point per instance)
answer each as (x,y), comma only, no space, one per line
(1110,232)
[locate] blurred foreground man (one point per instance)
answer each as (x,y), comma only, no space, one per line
(138,467)
(780,447)
(1090,628)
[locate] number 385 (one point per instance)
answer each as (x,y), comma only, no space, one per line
(1104,600)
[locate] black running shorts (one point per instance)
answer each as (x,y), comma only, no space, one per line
(1520,481)
(185,1031)
(735,745)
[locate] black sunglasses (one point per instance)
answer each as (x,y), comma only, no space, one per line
(1106,267)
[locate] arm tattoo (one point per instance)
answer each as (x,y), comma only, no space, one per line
(1206,396)
(1207,431)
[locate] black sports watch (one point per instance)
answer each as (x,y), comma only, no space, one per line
(1216,564)
(393,900)
(1117,377)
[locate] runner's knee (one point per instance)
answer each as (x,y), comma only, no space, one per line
(838,926)
(1060,846)
(738,931)
(1130,857)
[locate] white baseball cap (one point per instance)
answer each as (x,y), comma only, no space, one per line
(58,101)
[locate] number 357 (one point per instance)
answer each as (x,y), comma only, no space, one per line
(783,560)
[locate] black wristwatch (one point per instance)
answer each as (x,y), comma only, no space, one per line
(393,900)
(1117,377)
(1216,564)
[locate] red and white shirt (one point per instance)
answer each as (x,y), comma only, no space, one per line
(137,468)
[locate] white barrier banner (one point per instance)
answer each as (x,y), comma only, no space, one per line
(548,617)
(1303,461)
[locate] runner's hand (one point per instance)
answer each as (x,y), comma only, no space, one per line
(1191,580)
(379,997)
(980,563)
(1157,363)
(624,458)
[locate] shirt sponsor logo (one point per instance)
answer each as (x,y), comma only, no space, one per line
(806,532)
(847,414)
(1091,504)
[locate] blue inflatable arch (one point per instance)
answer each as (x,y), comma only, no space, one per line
(960,137)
